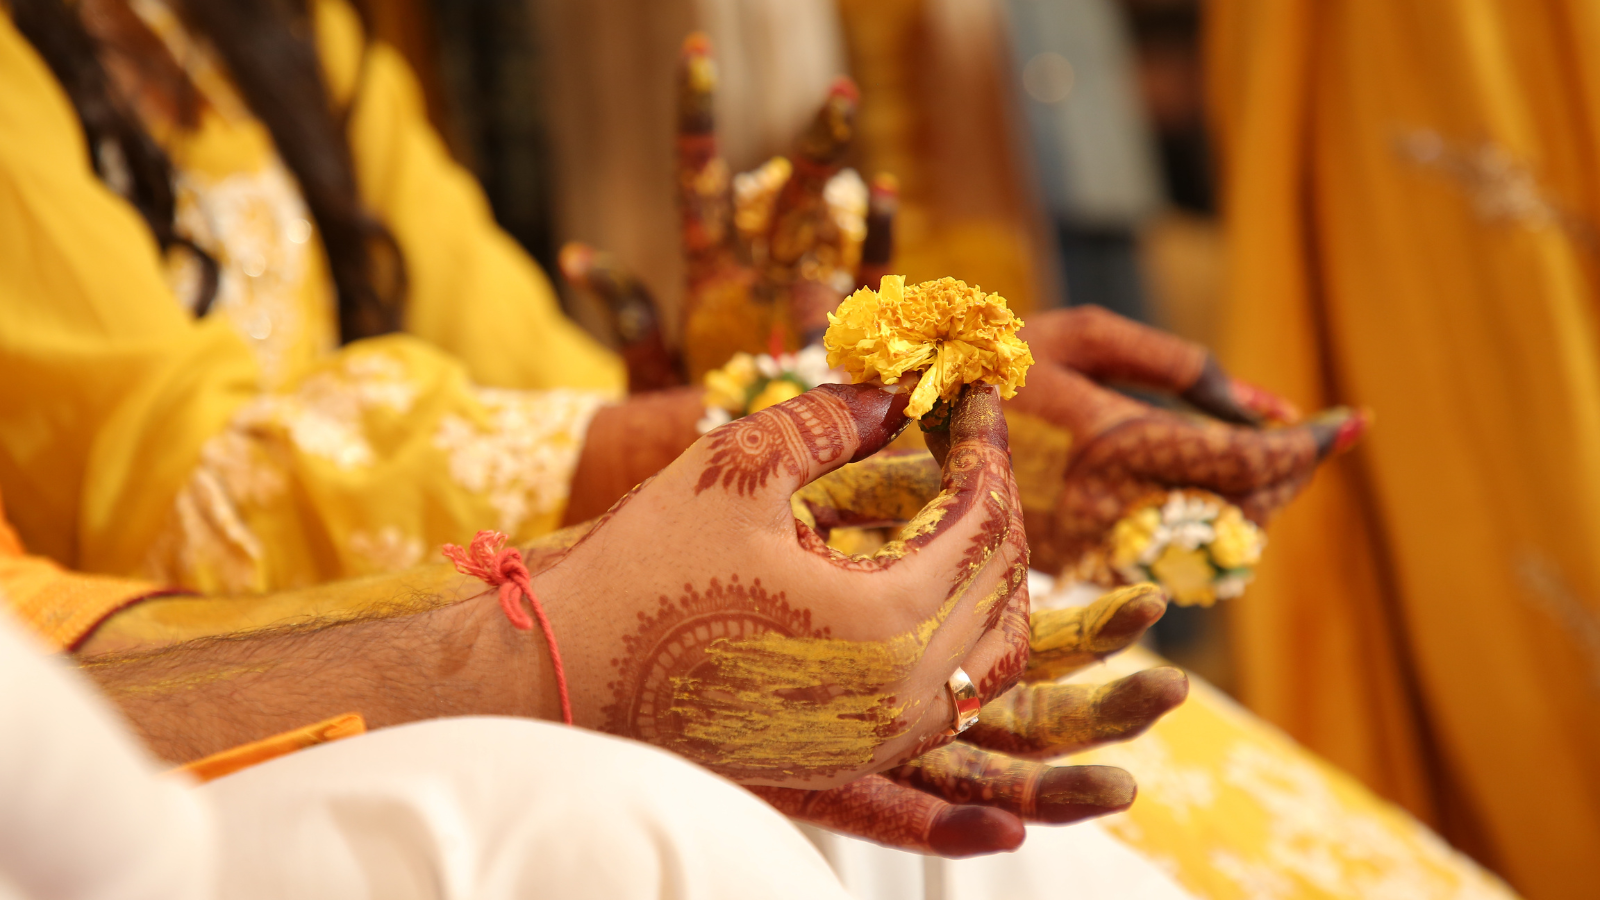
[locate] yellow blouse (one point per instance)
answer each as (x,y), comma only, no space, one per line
(243,451)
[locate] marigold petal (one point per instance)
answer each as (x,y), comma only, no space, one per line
(953,333)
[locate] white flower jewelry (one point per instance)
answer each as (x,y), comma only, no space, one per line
(750,383)
(1196,545)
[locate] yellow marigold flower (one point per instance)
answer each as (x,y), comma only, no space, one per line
(1187,575)
(1238,542)
(952,333)
(776,391)
(729,386)
(1131,536)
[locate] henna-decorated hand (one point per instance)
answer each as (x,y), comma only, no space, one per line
(769,253)
(973,796)
(1120,451)
(743,642)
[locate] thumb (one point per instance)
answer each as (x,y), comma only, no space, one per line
(776,451)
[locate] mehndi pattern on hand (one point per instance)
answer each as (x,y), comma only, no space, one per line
(972,796)
(742,648)
(1089,455)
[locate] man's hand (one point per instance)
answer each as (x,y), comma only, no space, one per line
(697,615)
(973,796)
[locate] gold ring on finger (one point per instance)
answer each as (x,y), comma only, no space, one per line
(964,700)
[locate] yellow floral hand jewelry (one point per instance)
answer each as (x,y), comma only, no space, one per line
(1196,545)
(750,383)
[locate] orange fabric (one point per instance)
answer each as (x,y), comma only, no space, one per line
(246,755)
(10,544)
(1410,195)
(62,607)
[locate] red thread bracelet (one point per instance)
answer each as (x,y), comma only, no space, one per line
(501,567)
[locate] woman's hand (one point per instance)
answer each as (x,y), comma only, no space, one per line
(766,261)
(700,616)
(1120,450)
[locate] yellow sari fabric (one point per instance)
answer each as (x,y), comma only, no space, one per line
(243,451)
(1410,191)
(1235,810)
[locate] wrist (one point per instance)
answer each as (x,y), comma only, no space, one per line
(512,665)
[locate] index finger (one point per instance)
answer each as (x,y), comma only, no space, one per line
(1035,791)
(877,809)
(975,493)
(705,196)
(1108,347)
(769,455)
(955,580)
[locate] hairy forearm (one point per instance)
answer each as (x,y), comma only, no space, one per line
(628,443)
(195,698)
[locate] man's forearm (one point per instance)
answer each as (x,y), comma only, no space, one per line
(408,663)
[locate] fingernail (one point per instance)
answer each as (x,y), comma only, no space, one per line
(844,87)
(1143,697)
(575,260)
(1135,615)
(977,415)
(1072,793)
(697,44)
(1353,429)
(1263,402)
(973,830)
(879,415)
(1338,429)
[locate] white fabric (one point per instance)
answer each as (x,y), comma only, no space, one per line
(458,808)
(84,812)
(501,808)
(1070,862)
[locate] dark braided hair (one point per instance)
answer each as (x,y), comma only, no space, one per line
(268,50)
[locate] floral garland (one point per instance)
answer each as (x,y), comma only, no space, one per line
(1196,545)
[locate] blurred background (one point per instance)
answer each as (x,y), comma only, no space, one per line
(1409,191)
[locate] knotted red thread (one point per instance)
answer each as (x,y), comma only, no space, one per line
(501,567)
